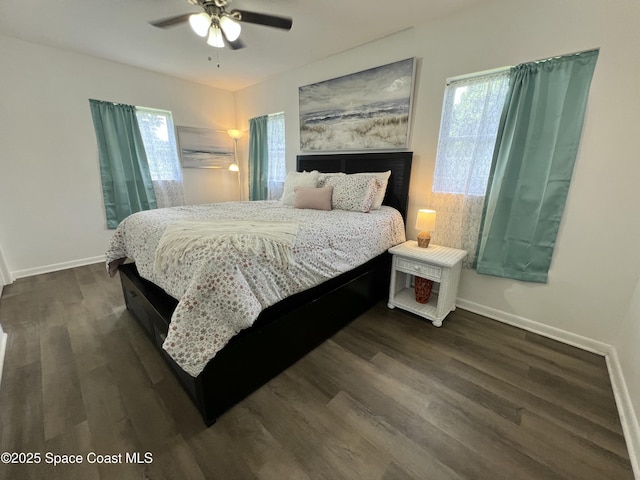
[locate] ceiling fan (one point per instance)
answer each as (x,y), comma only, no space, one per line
(222,27)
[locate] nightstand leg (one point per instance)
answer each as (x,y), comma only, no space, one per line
(391,306)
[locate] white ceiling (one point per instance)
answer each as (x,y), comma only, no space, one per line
(118,30)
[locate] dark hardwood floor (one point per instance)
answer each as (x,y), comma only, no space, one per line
(389,397)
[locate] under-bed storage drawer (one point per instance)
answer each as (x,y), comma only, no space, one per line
(154,320)
(137,305)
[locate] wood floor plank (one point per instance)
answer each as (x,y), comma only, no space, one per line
(389,397)
(447,344)
(20,319)
(345,449)
(418,462)
(475,426)
(538,354)
(61,395)
(174,460)
(22,420)
(216,453)
(293,432)
(580,425)
(558,404)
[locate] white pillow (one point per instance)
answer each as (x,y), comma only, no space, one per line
(382,189)
(297,179)
(353,192)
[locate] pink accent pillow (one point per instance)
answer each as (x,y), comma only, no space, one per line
(313,198)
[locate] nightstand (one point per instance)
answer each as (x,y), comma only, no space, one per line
(442,265)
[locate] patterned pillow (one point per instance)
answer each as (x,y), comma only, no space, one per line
(322,178)
(353,192)
(382,189)
(297,179)
(382,186)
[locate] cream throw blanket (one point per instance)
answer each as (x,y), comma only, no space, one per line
(271,238)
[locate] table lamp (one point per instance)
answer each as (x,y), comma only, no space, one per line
(425,223)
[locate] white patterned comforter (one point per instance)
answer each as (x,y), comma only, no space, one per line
(222,291)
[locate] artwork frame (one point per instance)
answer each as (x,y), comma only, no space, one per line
(366,110)
(204,147)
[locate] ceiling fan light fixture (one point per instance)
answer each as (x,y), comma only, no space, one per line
(200,23)
(215,37)
(230,27)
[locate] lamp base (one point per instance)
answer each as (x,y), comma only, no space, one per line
(423,239)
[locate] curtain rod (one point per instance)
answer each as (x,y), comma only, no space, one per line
(484,73)
(502,69)
(579,52)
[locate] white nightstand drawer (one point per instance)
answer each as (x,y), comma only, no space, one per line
(420,269)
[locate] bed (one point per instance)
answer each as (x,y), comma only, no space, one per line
(287,330)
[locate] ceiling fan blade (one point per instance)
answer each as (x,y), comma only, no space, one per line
(235,45)
(275,21)
(171,21)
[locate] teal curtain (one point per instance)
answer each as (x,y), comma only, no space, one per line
(536,147)
(258,158)
(126,181)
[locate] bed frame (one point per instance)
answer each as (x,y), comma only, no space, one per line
(288,330)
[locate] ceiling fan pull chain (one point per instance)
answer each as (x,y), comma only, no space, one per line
(217,58)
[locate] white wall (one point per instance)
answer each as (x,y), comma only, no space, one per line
(596,263)
(5,276)
(51,207)
(627,345)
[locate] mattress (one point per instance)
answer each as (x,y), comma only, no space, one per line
(222,287)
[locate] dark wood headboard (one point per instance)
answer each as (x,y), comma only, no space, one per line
(399,163)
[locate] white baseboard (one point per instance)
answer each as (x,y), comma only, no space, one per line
(545,330)
(56,266)
(628,417)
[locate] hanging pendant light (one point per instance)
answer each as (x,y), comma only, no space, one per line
(215,37)
(200,23)
(230,27)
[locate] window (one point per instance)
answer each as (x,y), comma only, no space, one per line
(158,137)
(277,160)
(470,118)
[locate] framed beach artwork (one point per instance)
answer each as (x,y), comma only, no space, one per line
(204,148)
(366,110)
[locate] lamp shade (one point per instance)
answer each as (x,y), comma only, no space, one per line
(235,134)
(200,23)
(230,27)
(426,220)
(215,37)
